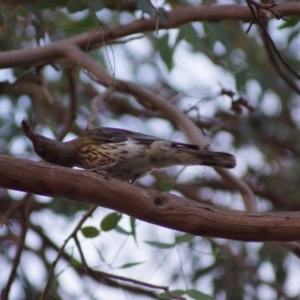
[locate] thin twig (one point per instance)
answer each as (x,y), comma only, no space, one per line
(61,250)
(98,275)
(262,26)
(141,283)
(23,217)
(81,271)
(280,70)
(157,15)
(255,17)
(94,106)
(71,111)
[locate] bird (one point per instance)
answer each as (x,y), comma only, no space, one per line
(123,154)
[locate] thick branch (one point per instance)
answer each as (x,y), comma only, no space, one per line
(126,6)
(151,206)
(175,18)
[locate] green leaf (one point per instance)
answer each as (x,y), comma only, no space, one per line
(185,238)
(2,21)
(110,221)
(76,5)
(61,207)
(101,256)
(43,4)
(129,265)
(160,245)
(166,52)
(132,225)
(73,27)
(194,294)
(119,229)
(90,231)
(145,7)
(95,5)
(165,296)
(163,15)
(291,22)
(190,35)
(166,185)
(74,262)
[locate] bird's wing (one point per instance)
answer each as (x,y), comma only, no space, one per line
(116,135)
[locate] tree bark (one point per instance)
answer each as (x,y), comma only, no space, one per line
(155,207)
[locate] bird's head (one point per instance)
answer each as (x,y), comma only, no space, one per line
(48,149)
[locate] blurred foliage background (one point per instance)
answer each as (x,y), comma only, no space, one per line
(219,76)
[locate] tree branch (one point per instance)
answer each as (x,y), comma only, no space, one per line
(155,207)
(175,18)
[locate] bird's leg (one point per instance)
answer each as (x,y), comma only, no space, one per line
(101,169)
(132,180)
(100,172)
(135,177)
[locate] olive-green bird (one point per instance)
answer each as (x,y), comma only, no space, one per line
(123,154)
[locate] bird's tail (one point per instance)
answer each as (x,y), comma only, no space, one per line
(189,156)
